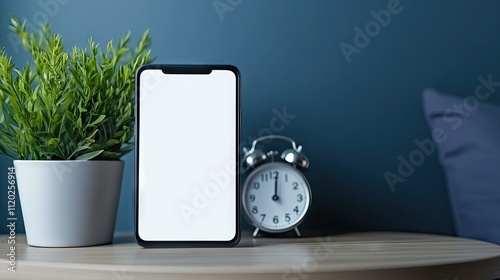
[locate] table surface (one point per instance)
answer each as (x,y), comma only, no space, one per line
(376,255)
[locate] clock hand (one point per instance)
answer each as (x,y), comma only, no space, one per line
(275,196)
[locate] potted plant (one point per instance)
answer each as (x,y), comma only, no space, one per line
(66,121)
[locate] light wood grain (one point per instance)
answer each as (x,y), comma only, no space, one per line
(348,256)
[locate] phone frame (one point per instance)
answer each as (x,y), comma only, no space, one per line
(186,69)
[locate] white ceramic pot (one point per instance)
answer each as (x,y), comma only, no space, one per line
(69,203)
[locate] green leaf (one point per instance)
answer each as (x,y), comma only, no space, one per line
(90,155)
(111,155)
(111,142)
(46,149)
(83,147)
(5,140)
(127,149)
(4,152)
(98,120)
(79,122)
(92,135)
(54,141)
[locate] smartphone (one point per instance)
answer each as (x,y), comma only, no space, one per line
(186,156)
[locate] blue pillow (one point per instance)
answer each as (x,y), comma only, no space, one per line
(466,131)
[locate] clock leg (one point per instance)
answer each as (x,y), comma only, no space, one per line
(255,232)
(297,232)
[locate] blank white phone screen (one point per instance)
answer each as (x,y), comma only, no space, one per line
(187,153)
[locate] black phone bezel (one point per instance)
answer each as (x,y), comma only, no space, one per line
(186,69)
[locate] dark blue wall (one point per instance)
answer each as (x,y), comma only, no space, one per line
(353,119)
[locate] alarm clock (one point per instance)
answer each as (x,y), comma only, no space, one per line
(276,195)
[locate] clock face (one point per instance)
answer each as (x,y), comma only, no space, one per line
(276,197)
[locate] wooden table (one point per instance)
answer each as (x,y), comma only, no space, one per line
(379,255)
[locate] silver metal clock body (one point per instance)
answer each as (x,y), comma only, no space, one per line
(276,197)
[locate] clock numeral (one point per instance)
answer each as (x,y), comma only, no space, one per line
(269,176)
(296,210)
(286,177)
(256,185)
(263,217)
(299,197)
(276,219)
(255,210)
(252,198)
(287,217)
(295,185)
(264,177)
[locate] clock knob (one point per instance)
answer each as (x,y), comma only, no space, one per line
(253,159)
(295,157)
